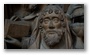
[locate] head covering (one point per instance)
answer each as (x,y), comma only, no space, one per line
(37,32)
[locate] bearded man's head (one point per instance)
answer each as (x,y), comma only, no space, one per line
(53,24)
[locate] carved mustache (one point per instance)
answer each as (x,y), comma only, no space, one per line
(51,31)
(54,31)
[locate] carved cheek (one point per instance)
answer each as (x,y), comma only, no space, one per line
(45,26)
(58,25)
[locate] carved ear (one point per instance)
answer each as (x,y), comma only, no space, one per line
(63,24)
(62,18)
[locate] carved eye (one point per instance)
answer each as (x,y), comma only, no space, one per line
(46,20)
(55,19)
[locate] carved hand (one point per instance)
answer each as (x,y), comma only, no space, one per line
(13,41)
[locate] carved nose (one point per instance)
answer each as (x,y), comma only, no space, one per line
(51,26)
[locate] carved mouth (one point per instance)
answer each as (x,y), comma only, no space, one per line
(51,32)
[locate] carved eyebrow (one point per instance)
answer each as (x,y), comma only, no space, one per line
(46,18)
(54,17)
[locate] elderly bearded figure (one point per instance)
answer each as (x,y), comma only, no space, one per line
(52,31)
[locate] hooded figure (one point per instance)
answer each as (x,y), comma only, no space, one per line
(52,31)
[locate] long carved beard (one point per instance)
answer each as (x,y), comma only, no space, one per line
(52,37)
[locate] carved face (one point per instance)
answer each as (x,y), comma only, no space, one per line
(51,21)
(52,27)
